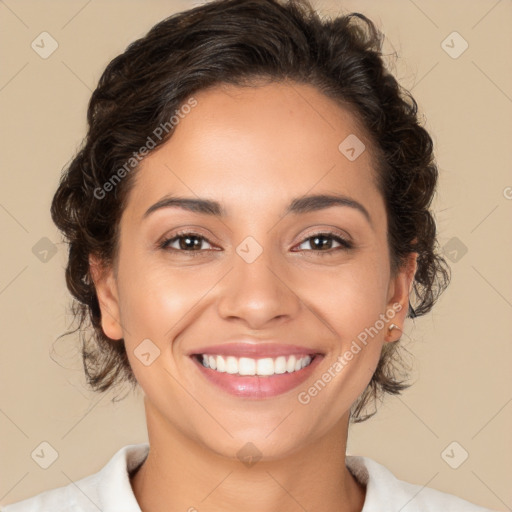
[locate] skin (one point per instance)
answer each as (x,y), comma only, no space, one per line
(253,150)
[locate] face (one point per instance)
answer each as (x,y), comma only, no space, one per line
(291,296)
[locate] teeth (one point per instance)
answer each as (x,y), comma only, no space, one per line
(262,367)
(246,366)
(280,365)
(221,364)
(265,366)
(231,365)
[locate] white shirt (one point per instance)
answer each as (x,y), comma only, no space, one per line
(109,490)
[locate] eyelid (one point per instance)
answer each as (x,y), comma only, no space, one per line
(345,243)
(327,230)
(166,240)
(188,230)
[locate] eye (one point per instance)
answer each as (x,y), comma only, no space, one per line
(190,242)
(322,243)
(185,241)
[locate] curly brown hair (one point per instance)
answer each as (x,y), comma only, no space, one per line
(240,42)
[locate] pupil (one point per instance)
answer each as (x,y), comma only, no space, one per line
(324,238)
(187,239)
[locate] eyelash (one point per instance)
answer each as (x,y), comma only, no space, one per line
(345,244)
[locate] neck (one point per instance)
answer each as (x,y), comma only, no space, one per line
(180,474)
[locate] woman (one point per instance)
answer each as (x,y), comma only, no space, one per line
(247,220)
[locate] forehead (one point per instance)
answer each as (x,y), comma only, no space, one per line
(242,144)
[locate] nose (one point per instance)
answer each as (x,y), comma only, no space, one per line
(258,293)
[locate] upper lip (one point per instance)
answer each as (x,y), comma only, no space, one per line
(252,349)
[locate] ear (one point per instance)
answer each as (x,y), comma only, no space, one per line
(398,295)
(106,291)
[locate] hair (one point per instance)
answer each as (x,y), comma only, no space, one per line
(242,42)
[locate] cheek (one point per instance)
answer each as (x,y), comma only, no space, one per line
(351,296)
(154,305)
(351,300)
(153,302)
(157,300)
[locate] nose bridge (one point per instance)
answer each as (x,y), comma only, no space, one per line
(255,291)
(253,264)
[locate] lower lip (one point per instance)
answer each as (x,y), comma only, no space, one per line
(257,387)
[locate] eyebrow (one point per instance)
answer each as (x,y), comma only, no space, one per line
(299,205)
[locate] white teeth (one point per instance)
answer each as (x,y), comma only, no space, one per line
(231,365)
(221,364)
(246,366)
(265,366)
(280,365)
(306,361)
(262,367)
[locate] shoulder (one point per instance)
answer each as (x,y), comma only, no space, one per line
(384,489)
(107,490)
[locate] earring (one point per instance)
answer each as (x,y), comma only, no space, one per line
(394,326)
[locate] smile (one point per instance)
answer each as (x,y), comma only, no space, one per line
(256,378)
(263,367)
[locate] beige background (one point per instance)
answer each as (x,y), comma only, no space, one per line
(462,350)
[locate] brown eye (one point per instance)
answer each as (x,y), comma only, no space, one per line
(323,242)
(185,242)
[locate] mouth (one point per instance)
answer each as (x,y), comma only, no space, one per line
(256,372)
(263,367)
